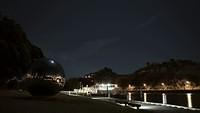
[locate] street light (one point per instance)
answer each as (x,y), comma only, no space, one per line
(144,85)
(163,85)
(187,85)
(51,61)
(130,88)
(187,82)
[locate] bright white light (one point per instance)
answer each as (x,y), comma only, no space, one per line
(146,107)
(145,97)
(189,99)
(129,96)
(58,80)
(106,86)
(187,82)
(52,61)
(164,98)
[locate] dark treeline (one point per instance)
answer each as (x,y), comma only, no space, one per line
(16,51)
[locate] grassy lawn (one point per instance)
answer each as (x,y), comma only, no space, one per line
(15,102)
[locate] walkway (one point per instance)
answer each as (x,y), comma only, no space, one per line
(157,107)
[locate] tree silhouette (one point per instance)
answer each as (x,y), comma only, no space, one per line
(16,51)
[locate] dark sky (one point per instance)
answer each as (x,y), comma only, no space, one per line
(87,35)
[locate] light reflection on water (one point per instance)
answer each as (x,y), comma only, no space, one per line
(190,100)
(164,98)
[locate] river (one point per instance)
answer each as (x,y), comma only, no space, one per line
(181,99)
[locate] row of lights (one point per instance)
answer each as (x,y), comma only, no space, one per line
(187,85)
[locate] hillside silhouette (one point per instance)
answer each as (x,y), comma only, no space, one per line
(173,73)
(169,72)
(16,51)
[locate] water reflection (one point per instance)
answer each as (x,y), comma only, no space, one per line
(145,97)
(164,98)
(129,96)
(189,100)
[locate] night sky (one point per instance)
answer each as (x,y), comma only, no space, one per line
(87,35)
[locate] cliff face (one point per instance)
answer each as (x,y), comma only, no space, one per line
(16,51)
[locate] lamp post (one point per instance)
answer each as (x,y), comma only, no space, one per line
(145,85)
(163,86)
(187,85)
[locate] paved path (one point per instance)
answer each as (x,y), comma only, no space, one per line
(13,102)
(166,109)
(158,108)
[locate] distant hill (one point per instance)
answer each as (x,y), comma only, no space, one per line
(105,75)
(169,72)
(173,73)
(16,51)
